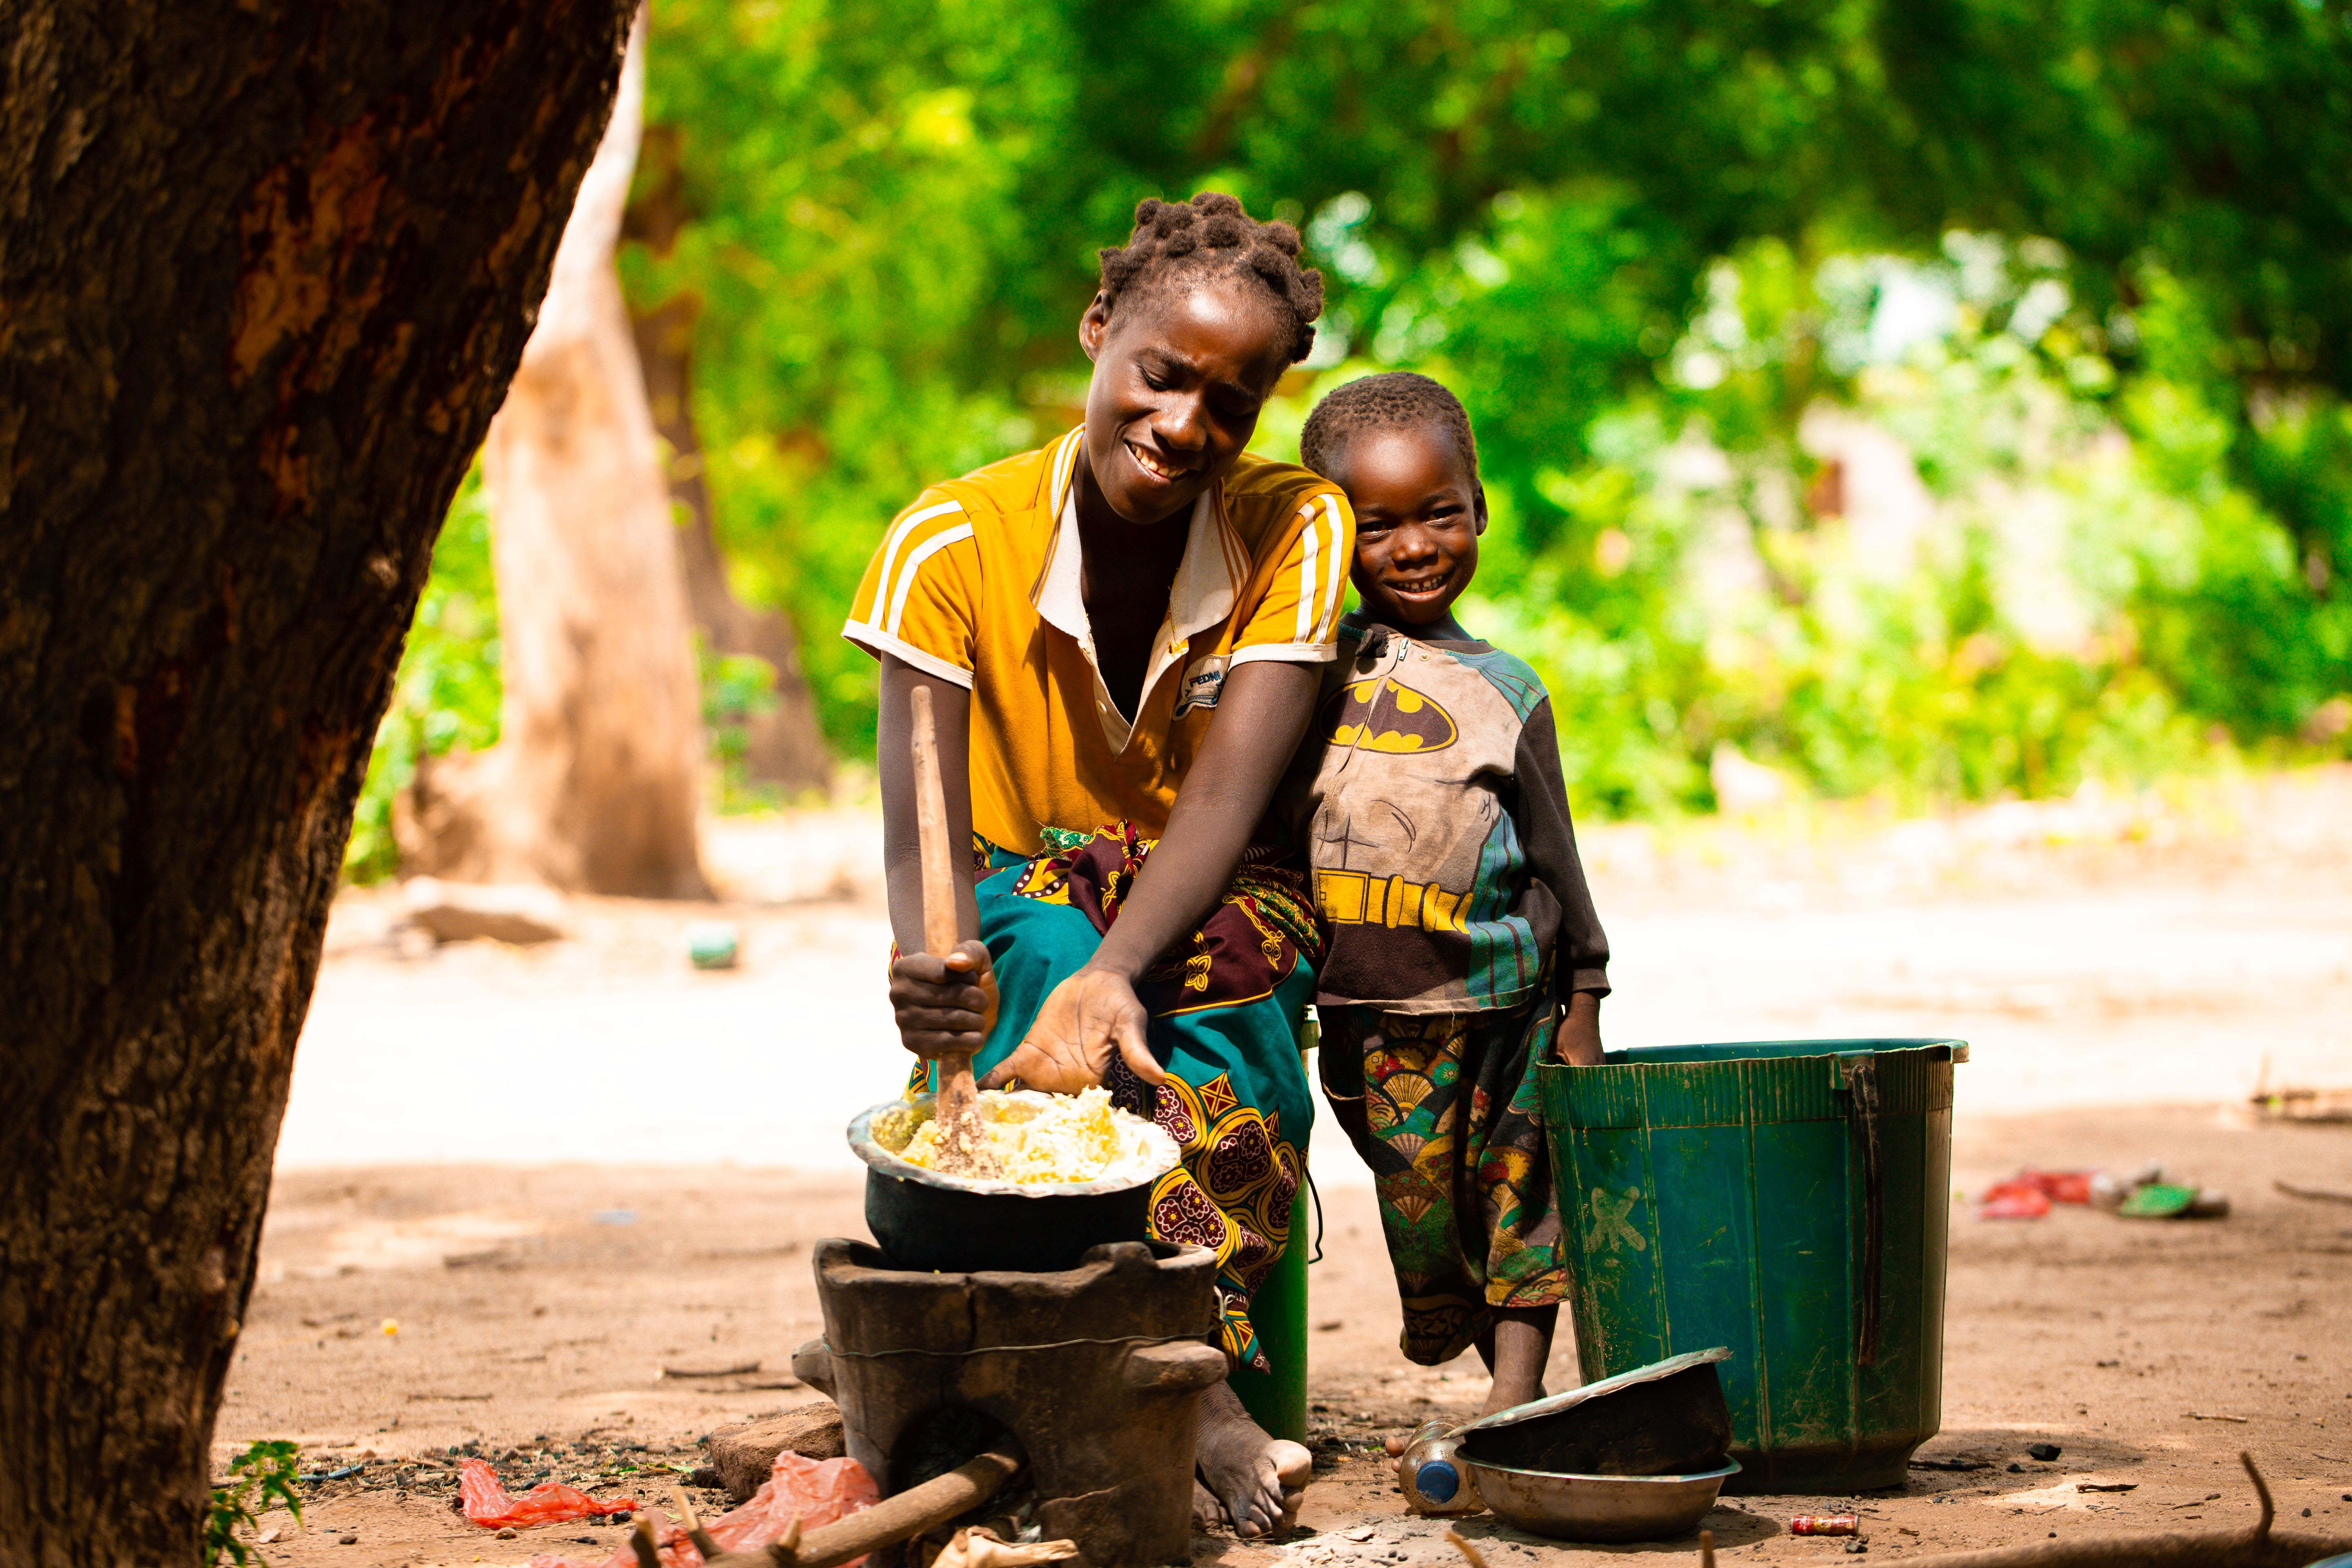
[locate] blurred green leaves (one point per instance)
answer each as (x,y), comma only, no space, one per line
(2090,262)
(447,693)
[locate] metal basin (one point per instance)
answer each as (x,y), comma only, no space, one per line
(1668,1418)
(923,1219)
(1597,1507)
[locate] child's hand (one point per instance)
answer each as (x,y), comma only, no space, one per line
(1089,1016)
(944,1004)
(1577,1043)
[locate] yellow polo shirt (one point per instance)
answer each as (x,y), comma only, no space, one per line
(978,583)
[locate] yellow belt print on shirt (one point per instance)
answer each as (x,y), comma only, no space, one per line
(1356,898)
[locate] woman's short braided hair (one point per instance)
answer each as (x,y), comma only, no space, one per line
(1211,234)
(1397,400)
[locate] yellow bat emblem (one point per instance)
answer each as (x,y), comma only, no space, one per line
(1379,715)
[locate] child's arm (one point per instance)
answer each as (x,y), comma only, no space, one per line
(1580,948)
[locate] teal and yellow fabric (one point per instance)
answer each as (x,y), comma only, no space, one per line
(1226,1012)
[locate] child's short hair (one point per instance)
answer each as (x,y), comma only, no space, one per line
(1397,400)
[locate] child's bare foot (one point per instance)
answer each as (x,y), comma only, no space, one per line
(1246,1479)
(1395,1445)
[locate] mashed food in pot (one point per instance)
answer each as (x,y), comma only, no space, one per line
(1030,1137)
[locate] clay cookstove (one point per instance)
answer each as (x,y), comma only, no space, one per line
(1095,1371)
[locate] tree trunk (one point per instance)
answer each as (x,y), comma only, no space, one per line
(266,271)
(784,744)
(595,783)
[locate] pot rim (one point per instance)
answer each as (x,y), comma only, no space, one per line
(884,1162)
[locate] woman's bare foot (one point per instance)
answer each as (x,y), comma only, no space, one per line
(1515,1349)
(1245,1478)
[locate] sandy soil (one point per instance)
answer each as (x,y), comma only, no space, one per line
(563,1176)
(532,1325)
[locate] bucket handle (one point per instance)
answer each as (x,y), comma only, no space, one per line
(1861,1077)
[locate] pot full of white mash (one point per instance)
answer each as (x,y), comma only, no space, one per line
(1056,1175)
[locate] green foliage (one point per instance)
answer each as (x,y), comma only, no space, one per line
(260,1478)
(736,688)
(2091,263)
(446,692)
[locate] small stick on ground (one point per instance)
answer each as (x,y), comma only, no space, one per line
(1707,1549)
(2255,1547)
(692,1524)
(2317,1194)
(1461,1545)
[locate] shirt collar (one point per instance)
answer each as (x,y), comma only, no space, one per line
(1208,580)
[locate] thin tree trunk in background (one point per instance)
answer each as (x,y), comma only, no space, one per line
(266,270)
(785,745)
(595,783)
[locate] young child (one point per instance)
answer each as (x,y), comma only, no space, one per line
(1463,944)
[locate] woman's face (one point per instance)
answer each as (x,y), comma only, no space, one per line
(1178,383)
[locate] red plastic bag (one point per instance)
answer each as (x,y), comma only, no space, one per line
(814,1491)
(2014,1199)
(2062,1186)
(549,1502)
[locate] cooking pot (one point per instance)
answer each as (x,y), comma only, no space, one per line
(928,1220)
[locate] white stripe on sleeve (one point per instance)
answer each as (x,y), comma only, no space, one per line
(913,569)
(1309,606)
(1327,625)
(897,542)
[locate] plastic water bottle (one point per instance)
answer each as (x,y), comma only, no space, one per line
(1434,1482)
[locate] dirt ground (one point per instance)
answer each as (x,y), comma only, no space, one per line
(578,1185)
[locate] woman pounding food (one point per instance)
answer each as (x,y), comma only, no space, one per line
(1119,632)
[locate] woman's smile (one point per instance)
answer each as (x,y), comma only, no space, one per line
(1156,469)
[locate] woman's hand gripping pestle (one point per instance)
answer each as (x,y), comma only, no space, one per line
(959,1100)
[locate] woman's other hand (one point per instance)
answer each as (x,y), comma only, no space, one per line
(1579,1041)
(1089,1016)
(944,1004)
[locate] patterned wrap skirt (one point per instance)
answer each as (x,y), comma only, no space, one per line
(1227,1007)
(1444,1110)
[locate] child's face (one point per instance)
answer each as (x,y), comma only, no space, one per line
(1419,513)
(1177,388)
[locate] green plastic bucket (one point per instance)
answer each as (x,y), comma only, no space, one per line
(1790,1199)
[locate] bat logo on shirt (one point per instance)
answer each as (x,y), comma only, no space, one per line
(1379,715)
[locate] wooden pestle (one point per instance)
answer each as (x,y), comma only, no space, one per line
(959,1100)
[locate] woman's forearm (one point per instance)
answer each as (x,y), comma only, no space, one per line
(1262,715)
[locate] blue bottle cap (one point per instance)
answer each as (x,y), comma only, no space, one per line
(1437,1481)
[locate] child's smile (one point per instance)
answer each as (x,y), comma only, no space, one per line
(1419,513)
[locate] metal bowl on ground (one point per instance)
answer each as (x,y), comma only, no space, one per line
(1667,1418)
(1597,1507)
(923,1218)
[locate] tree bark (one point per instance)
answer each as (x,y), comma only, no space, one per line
(785,745)
(265,270)
(595,783)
